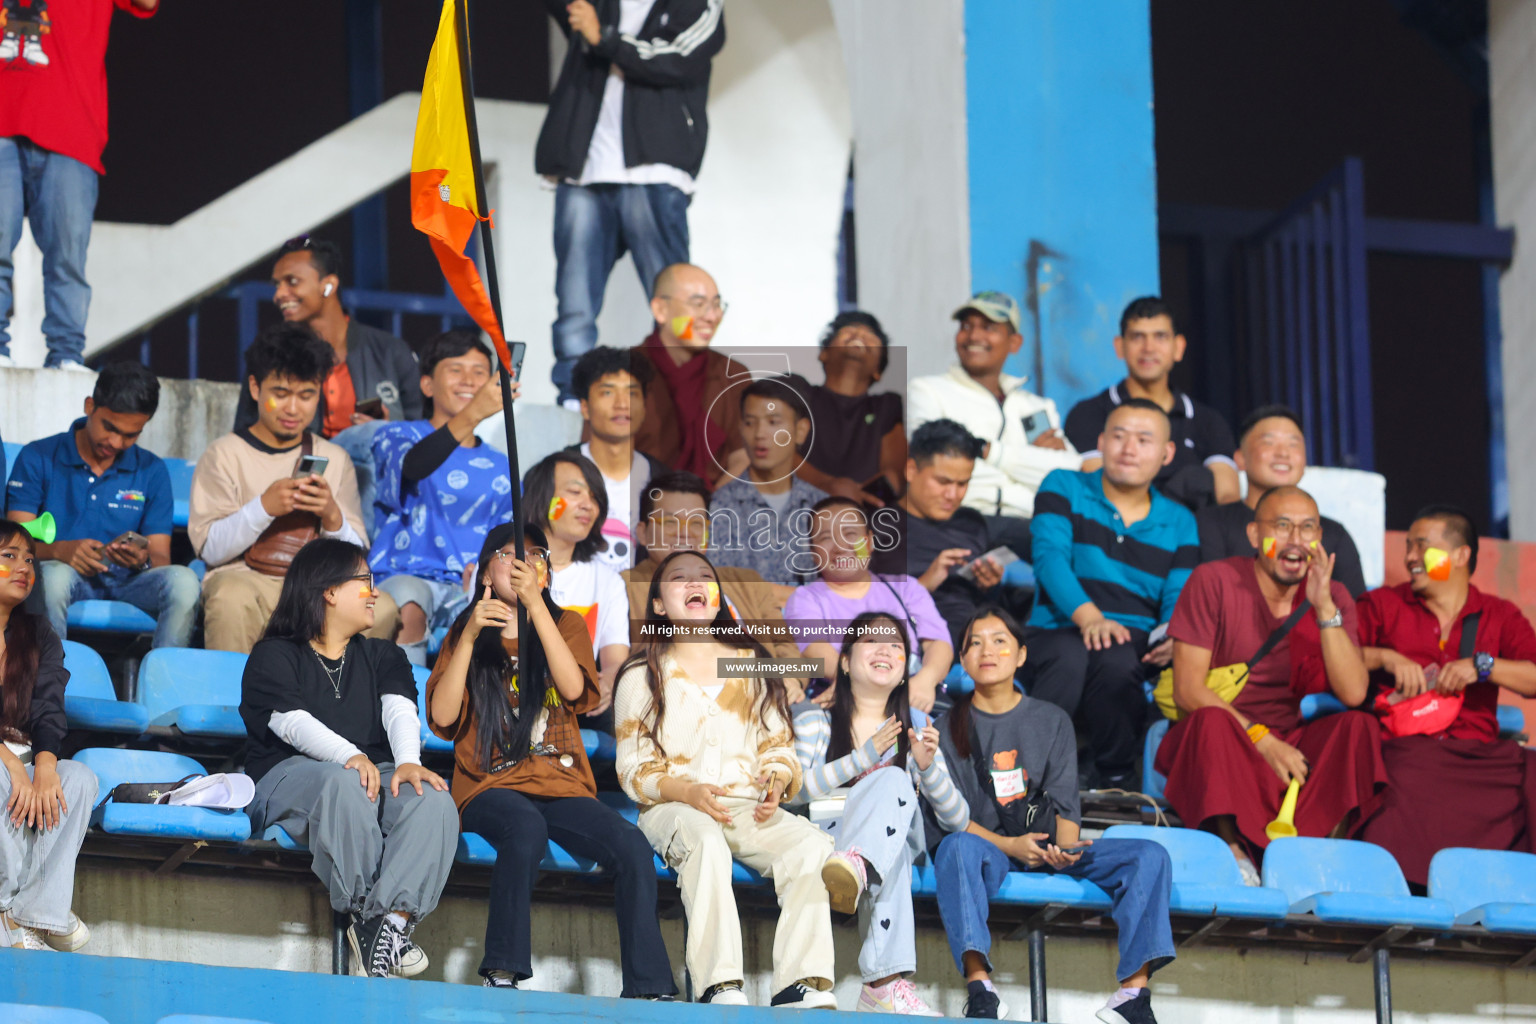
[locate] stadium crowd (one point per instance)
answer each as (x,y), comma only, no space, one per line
(712,525)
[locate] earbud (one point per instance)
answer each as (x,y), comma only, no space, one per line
(328,289)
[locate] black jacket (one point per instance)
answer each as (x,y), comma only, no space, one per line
(381,365)
(666,83)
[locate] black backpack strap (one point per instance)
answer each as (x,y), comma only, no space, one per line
(1280,633)
(1469,635)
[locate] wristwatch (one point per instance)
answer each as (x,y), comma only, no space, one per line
(1483,661)
(1335,622)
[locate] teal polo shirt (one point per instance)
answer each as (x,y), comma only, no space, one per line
(133,494)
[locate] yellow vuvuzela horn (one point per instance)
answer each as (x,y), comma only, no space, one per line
(1284,826)
(42,528)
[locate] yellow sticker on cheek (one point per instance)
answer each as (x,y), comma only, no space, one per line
(271,404)
(1312,545)
(1269,547)
(682,328)
(556,508)
(861,547)
(1437,563)
(713,589)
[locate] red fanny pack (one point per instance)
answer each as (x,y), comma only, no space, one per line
(1426,714)
(1431,712)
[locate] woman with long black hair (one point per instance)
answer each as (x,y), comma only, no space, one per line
(709,755)
(521,776)
(880,753)
(336,754)
(47,801)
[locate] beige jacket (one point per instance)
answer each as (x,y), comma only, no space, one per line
(720,741)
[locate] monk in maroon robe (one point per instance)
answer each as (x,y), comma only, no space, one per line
(1229,764)
(1459,785)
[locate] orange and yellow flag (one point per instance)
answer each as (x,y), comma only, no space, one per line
(444,203)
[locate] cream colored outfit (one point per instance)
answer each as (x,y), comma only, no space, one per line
(726,742)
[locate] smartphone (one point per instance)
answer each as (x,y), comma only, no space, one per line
(1002,557)
(518,350)
(1035,424)
(310,465)
(138,540)
(373,407)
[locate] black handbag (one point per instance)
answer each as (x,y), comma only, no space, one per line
(1036,812)
(147,792)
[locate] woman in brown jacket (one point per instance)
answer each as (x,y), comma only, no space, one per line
(521,779)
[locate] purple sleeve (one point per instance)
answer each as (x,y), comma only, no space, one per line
(930,624)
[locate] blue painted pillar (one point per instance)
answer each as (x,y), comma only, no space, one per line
(1063,184)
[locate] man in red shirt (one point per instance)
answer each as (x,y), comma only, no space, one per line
(53,127)
(1228,764)
(1460,785)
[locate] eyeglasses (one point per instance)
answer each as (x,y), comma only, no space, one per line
(1307,529)
(699,304)
(533,553)
(366,577)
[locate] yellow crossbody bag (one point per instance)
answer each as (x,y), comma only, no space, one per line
(1227,681)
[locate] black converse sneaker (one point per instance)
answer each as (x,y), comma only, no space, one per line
(376,946)
(801,996)
(1136,1010)
(499,979)
(727,993)
(981,1002)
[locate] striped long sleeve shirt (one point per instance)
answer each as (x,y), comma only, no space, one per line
(1083,551)
(813,734)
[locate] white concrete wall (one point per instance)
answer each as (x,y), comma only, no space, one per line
(906,82)
(224,920)
(1512,81)
(37,403)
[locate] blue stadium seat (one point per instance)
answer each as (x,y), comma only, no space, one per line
(90,702)
(1344,881)
(1206,879)
(199,1018)
(601,747)
(431,743)
(180,471)
(196,691)
(279,835)
(108,617)
(1511,720)
(156,820)
(1492,888)
(1152,782)
(23,1013)
(12,451)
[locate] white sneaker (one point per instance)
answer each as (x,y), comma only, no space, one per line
(72,938)
(727,993)
(900,996)
(801,996)
(21,937)
(35,54)
(73,365)
(10,46)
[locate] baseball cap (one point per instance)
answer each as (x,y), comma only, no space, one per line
(995,306)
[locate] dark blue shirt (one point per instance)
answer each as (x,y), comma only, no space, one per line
(133,494)
(1084,552)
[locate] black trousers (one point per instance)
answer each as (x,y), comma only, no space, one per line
(520,827)
(1101,690)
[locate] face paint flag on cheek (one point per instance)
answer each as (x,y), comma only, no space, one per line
(861,548)
(5,572)
(682,328)
(713,590)
(1270,547)
(1437,564)
(271,404)
(556,508)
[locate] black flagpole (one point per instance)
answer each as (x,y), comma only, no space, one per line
(493,286)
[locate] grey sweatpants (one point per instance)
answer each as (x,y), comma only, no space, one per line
(393,854)
(881,821)
(37,868)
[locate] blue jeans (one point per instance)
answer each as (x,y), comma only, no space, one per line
(594,226)
(57,195)
(1136,873)
(170,593)
(357,441)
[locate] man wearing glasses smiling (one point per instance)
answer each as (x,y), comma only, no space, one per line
(685,427)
